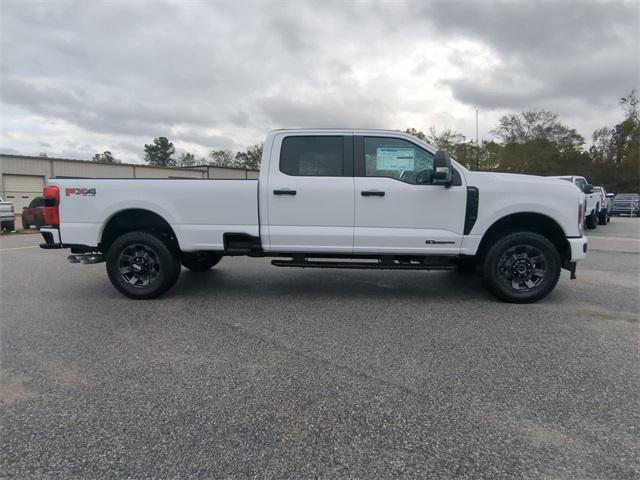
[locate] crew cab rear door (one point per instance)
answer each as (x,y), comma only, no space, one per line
(310,193)
(397,207)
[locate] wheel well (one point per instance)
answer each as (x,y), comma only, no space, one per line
(135,219)
(530,222)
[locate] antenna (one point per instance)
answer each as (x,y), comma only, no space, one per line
(477,144)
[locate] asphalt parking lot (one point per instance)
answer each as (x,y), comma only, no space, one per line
(249,371)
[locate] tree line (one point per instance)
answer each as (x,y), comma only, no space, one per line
(533,142)
(161,153)
(536,142)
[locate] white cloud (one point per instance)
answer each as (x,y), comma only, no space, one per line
(82,77)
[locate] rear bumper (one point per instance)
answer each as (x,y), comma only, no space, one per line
(578,247)
(51,238)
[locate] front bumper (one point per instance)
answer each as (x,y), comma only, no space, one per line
(578,246)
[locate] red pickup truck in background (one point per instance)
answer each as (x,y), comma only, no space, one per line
(33,214)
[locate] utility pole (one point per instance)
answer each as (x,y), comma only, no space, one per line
(477,144)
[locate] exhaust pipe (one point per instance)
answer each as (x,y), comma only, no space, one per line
(87,258)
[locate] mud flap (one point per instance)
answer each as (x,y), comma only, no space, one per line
(571,266)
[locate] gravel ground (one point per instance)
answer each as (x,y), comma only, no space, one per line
(249,371)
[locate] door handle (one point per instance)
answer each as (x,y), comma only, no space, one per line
(284,191)
(372,193)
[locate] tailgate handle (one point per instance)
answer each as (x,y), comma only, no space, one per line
(372,193)
(284,191)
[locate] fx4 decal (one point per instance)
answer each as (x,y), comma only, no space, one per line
(83,192)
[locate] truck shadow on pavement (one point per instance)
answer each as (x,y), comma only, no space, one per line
(329,284)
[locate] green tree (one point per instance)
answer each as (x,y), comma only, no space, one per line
(416,133)
(105,157)
(222,158)
(251,158)
(159,153)
(537,125)
(615,152)
(187,159)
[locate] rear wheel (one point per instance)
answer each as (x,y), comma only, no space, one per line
(200,261)
(522,267)
(142,265)
(602,218)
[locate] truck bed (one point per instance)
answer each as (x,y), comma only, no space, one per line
(199,211)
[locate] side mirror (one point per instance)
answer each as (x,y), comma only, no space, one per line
(588,189)
(442,169)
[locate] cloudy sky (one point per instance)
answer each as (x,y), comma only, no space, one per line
(83,77)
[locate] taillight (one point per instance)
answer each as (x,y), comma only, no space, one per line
(51,196)
(580,217)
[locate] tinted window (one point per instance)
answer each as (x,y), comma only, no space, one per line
(321,156)
(580,183)
(36,202)
(399,159)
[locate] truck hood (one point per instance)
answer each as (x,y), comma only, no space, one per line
(518,177)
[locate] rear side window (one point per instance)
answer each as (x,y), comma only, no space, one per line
(36,202)
(320,156)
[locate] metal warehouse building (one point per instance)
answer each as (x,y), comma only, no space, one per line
(24,177)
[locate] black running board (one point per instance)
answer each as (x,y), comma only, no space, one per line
(364,265)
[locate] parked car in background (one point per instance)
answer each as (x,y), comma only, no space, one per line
(7,216)
(626,204)
(605,203)
(33,214)
(593,202)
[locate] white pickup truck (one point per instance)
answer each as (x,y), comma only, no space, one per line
(327,198)
(7,217)
(593,202)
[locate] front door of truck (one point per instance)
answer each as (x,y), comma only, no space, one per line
(397,207)
(310,193)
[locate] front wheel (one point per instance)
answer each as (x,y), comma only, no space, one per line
(142,265)
(200,261)
(25,224)
(591,222)
(522,267)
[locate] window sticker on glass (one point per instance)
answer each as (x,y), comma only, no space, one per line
(396,159)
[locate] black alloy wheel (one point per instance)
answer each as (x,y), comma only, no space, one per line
(522,267)
(142,265)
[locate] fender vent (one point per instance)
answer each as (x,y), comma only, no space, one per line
(471,214)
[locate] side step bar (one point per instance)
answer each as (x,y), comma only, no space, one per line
(380,265)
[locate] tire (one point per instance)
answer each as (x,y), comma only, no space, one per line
(522,267)
(466,266)
(25,224)
(602,218)
(591,222)
(200,261)
(133,255)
